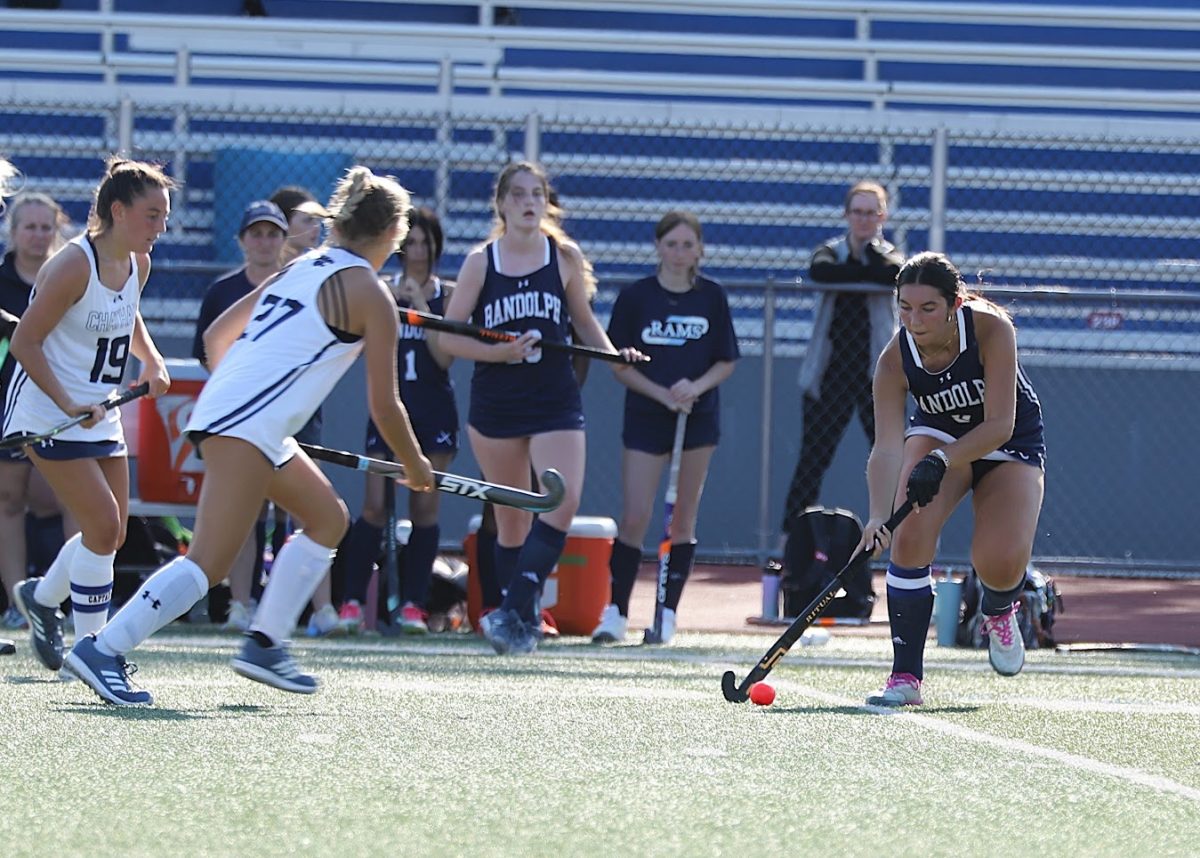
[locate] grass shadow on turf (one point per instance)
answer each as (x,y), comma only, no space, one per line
(800,709)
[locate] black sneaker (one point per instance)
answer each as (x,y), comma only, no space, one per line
(45,624)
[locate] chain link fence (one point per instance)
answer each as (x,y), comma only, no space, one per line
(1088,233)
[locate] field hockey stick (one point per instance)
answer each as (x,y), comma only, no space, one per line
(739,693)
(109,404)
(653,635)
(455,484)
(391,560)
(420,319)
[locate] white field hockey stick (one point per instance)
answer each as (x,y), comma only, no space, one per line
(653,635)
(109,404)
(454,484)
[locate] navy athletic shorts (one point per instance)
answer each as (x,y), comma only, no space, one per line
(653,432)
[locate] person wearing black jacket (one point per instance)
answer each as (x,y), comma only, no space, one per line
(852,324)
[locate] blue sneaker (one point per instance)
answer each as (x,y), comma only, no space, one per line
(508,633)
(107,675)
(272,665)
(45,624)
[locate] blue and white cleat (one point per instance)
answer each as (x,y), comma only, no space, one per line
(45,624)
(272,665)
(107,675)
(508,633)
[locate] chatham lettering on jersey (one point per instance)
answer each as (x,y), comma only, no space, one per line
(674,330)
(114,320)
(964,394)
(523,305)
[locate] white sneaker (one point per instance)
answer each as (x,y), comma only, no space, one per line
(322,622)
(1006,647)
(666,632)
(612,626)
(901,689)
(239,618)
(668,626)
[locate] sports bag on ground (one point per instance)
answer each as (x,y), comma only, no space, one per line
(819,543)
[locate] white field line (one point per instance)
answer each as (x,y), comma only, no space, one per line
(1106,706)
(471,646)
(1085,764)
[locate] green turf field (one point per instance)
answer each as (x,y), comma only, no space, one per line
(439,747)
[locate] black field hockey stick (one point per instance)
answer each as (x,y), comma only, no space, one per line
(455,484)
(391,555)
(653,635)
(109,404)
(417,318)
(740,693)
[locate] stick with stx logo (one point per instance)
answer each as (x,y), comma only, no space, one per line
(453,483)
(736,693)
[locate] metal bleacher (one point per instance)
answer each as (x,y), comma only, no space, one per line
(1050,145)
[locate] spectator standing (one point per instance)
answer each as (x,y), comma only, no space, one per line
(850,330)
(36,225)
(681,319)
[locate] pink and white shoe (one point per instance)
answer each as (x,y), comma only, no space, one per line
(901,689)
(1006,647)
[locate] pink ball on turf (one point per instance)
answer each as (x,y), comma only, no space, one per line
(762,694)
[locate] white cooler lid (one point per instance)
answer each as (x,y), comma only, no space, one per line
(588,526)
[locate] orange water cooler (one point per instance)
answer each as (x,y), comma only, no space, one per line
(578,588)
(168,470)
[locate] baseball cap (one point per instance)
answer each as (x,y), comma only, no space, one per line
(260,211)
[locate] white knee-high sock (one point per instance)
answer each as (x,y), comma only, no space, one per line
(54,588)
(297,571)
(168,593)
(91,589)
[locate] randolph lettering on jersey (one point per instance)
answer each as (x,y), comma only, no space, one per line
(523,305)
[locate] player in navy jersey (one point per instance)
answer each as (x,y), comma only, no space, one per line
(681,320)
(977,428)
(277,353)
(428,394)
(532,280)
(72,344)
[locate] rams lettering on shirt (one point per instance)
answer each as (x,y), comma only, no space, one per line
(674,330)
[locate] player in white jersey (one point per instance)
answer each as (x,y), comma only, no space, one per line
(277,353)
(72,344)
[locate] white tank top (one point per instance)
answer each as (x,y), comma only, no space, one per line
(285,363)
(87,351)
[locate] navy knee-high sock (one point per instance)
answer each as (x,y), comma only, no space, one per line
(418,563)
(622,571)
(504,560)
(679,567)
(541,551)
(997,602)
(485,568)
(910,607)
(362,549)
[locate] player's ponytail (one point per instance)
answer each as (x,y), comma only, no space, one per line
(364,206)
(9,177)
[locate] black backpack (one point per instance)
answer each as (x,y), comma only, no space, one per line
(1041,603)
(819,543)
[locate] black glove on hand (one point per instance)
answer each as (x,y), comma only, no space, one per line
(925,480)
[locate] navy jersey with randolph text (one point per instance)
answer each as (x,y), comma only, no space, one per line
(540,394)
(950,402)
